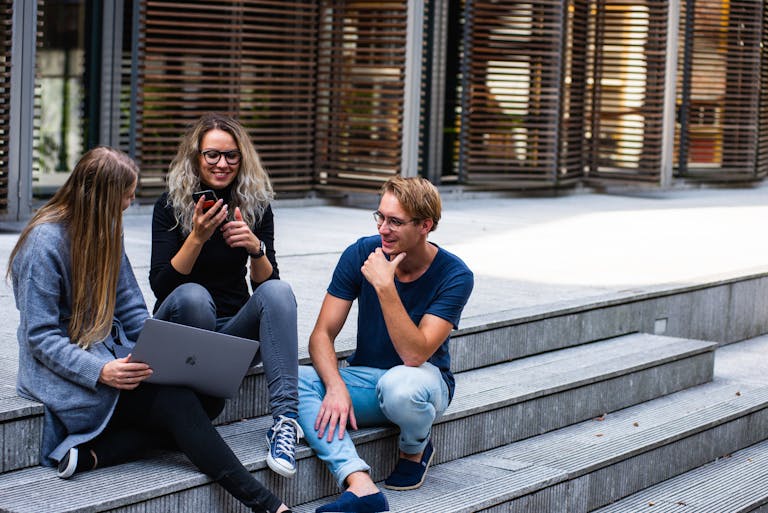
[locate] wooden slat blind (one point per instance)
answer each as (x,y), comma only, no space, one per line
(252,59)
(719,104)
(360,87)
(6,15)
(512,106)
(626,94)
(762,152)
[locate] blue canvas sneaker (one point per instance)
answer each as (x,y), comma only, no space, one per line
(282,438)
(409,475)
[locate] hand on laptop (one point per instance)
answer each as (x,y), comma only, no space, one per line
(124,374)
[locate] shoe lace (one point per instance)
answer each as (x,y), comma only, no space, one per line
(286,433)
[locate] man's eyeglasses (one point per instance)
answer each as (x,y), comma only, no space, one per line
(393,222)
(212,157)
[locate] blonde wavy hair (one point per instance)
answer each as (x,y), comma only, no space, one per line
(90,205)
(252,189)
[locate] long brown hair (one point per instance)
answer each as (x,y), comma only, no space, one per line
(90,204)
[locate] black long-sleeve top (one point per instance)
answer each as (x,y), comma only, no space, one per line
(219,268)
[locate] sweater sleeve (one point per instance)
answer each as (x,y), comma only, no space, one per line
(163,278)
(41,289)
(130,307)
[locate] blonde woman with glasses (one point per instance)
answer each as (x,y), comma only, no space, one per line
(81,310)
(213,232)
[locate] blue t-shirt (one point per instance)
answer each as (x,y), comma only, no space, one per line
(442,290)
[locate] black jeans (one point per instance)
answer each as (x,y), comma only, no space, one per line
(169,417)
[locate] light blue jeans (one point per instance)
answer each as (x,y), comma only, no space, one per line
(268,317)
(408,397)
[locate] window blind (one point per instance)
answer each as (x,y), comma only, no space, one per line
(255,60)
(719,102)
(513,67)
(360,87)
(626,88)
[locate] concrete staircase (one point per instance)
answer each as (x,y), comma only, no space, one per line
(586,412)
(734,483)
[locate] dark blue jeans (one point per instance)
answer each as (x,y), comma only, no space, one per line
(269,317)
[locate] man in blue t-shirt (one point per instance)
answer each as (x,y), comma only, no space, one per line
(410,296)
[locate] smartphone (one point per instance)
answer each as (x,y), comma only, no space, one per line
(210,198)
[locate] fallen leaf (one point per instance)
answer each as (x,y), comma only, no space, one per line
(681,503)
(600,418)
(651,503)
(636,424)
(738,393)
(599,434)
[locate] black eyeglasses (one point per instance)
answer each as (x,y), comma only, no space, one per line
(393,222)
(212,157)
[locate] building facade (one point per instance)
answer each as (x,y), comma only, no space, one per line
(340,95)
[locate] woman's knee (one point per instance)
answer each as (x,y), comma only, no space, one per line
(276,293)
(190,304)
(213,406)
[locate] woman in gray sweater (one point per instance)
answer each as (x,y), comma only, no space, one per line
(80,311)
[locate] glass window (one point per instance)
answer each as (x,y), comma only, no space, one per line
(60,115)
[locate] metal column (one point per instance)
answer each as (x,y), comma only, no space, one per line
(409,165)
(21,130)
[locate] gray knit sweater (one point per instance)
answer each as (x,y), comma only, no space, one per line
(52,369)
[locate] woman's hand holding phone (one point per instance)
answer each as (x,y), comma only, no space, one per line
(205,221)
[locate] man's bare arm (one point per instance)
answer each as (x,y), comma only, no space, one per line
(336,408)
(414,344)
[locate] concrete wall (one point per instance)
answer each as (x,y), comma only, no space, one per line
(722,311)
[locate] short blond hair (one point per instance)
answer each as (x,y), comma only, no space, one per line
(418,197)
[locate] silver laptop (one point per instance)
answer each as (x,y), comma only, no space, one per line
(206,361)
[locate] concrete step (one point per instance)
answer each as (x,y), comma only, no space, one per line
(588,465)
(493,407)
(736,483)
(487,341)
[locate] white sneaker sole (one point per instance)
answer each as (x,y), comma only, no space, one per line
(69,470)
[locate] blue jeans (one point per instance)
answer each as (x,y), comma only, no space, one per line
(408,397)
(268,317)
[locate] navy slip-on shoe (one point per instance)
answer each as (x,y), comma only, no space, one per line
(348,502)
(409,475)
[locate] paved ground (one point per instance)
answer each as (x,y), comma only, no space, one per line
(526,253)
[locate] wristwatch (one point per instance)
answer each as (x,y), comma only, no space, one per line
(260,253)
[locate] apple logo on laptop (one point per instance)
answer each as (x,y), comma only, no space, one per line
(191,360)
